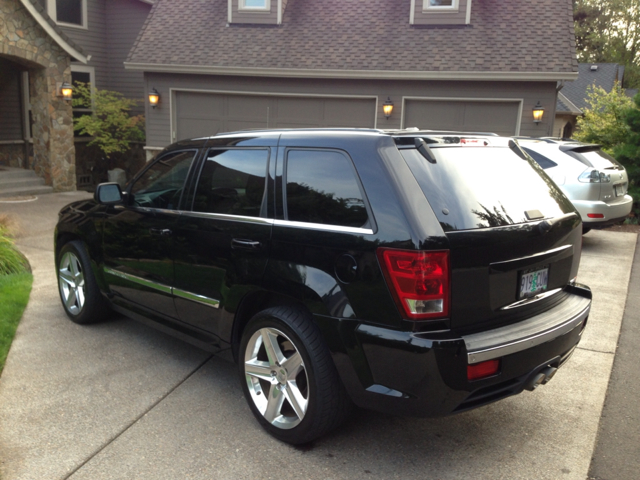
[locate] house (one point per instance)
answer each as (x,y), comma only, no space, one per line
(44,44)
(572,98)
(481,65)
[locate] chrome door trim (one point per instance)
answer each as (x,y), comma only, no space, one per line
(139,280)
(210,302)
(321,226)
(224,216)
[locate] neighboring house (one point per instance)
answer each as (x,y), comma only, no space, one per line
(481,65)
(44,43)
(572,99)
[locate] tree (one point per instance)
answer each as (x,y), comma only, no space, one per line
(110,124)
(603,122)
(609,31)
(613,121)
(628,151)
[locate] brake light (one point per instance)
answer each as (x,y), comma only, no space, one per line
(418,280)
(483,370)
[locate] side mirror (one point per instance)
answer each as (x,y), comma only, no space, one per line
(108,194)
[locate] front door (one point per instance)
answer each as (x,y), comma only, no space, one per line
(139,236)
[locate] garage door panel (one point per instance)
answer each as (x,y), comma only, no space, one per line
(463,115)
(357,113)
(200,114)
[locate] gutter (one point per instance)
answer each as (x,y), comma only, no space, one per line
(352,74)
(53,32)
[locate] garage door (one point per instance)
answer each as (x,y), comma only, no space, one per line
(463,115)
(203,114)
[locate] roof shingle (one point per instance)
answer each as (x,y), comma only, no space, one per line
(352,35)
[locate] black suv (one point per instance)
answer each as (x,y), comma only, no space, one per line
(415,273)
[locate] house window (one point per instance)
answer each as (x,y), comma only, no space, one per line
(435,5)
(86,75)
(68,12)
(254,4)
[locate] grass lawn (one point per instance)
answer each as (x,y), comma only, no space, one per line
(14,295)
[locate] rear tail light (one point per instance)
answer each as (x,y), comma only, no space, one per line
(483,370)
(418,280)
(594,176)
(595,215)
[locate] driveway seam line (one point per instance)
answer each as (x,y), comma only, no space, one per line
(136,420)
(594,351)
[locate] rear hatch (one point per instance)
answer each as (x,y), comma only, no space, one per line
(514,237)
(601,168)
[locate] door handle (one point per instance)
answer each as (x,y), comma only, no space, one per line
(250,244)
(165,232)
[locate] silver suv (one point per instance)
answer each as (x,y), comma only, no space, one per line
(594,181)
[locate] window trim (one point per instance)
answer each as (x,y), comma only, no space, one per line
(284,221)
(242,7)
(428,8)
(92,81)
(52,11)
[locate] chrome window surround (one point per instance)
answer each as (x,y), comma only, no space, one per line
(211,302)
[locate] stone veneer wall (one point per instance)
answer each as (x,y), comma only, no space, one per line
(24,42)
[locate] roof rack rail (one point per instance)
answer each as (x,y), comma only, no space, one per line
(413,131)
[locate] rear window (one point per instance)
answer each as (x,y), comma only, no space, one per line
(596,159)
(479,187)
(541,160)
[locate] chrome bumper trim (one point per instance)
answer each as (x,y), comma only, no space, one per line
(529,333)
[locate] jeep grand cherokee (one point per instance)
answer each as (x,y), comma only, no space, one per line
(407,272)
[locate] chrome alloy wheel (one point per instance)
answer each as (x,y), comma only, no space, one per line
(71,282)
(277,378)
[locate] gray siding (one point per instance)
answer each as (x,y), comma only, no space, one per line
(10,110)
(93,40)
(440,18)
(124,21)
(270,17)
(159,120)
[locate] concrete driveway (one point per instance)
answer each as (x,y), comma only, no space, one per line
(120,400)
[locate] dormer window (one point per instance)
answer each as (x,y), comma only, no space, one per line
(440,5)
(69,13)
(255,5)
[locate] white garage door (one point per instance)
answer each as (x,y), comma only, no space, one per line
(463,115)
(203,114)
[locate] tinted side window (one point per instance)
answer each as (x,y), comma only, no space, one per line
(232,182)
(161,185)
(541,160)
(322,187)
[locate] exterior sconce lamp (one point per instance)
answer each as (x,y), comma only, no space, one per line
(154,97)
(538,111)
(65,90)
(387,107)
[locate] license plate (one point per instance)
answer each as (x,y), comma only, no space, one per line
(533,282)
(620,190)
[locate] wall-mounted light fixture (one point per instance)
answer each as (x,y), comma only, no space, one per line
(387,107)
(154,97)
(538,111)
(65,90)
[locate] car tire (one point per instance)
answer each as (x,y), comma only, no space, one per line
(288,377)
(79,292)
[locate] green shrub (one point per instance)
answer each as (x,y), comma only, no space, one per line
(11,260)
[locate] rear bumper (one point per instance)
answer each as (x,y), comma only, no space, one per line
(612,212)
(425,375)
